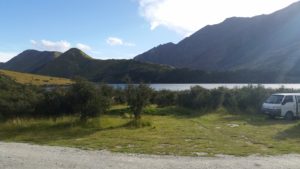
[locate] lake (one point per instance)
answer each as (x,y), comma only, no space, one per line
(179,87)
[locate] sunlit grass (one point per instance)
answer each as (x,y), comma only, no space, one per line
(170,131)
(25,78)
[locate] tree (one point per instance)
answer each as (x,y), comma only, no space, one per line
(138,97)
(86,100)
(53,105)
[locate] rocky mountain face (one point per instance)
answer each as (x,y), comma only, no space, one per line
(265,42)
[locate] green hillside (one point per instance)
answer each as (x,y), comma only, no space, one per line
(74,63)
(26,78)
(30,60)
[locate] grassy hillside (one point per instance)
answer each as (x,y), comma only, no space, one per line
(171,132)
(76,63)
(30,60)
(26,78)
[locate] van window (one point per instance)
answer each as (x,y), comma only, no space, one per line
(274,99)
(288,99)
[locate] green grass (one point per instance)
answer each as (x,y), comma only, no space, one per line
(170,132)
(26,78)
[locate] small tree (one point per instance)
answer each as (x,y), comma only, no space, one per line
(86,100)
(138,97)
(52,105)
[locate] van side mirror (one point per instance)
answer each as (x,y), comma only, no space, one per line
(284,102)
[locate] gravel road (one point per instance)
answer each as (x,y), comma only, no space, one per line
(25,156)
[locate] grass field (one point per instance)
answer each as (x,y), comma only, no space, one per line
(25,78)
(171,132)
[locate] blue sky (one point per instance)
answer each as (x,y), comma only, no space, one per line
(112,28)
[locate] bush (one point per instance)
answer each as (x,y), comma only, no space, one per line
(249,99)
(53,104)
(230,101)
(86,100)
(24,101)
(195,98)
(119,96)
(17,100)
(138,96)
(165,98)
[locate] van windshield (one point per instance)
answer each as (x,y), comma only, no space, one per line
(274,99)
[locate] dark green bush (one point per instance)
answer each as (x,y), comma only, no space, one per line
(165,98)
(53,104)
(23,101)
(197,98)
(247,99)
(88,101)
(250,99)
(17,100)
(138,97)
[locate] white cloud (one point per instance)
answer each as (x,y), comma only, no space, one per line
(6,56)
(188,16)
(114,41)
(83,47)
(33,42)
(60,46)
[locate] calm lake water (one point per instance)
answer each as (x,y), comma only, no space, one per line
(179,87)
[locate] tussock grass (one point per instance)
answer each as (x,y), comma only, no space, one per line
(173,131)
(26,78)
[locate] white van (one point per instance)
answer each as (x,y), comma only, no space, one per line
(282,104)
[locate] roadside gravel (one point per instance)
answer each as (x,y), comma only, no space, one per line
(25,156)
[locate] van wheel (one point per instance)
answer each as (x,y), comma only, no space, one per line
(289,116)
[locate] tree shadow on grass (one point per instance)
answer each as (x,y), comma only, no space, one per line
(118,112)
(44,133)
(290,133)
(175,111)
(257,119)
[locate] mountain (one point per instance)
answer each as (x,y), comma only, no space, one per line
(265,42)
(74,63)
(1,64)
(68,64)
(30,60)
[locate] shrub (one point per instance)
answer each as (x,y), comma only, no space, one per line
(196,98)
(119,96)
(216,98)
(86,100)
(165,98)
(138,97)
(230,101)
(53,104)
(17,100)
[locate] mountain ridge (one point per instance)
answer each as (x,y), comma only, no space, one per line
(30,60)
(75,63)
(264,42)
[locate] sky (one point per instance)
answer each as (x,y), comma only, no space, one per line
(113,29)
